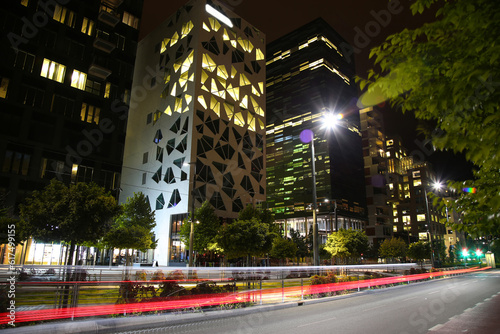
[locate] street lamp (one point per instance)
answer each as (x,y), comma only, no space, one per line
(307,136)
(191,234)
(435,186)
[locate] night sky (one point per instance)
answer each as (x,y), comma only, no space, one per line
(362,23)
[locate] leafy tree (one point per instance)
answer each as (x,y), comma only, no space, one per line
(283,248)
(76,214)
(6,224)
(346,244)
(205,231)
(245,238)
(448,72)
(132,229)
(300,242)
(419,251)
(265,216)
(392,248)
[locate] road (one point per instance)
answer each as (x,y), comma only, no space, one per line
(416,308)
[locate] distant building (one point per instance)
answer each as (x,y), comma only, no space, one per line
(396,187)
(66,77)
(196,126)
(309,77)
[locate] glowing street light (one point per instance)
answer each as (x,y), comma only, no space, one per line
(330,120)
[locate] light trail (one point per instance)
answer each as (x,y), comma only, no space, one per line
(207,300)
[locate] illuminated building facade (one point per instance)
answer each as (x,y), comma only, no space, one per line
(66,76)
(196,126)
(307,77)
(395,186)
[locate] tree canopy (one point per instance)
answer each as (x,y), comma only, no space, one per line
(346,244)
(283,248)
(204,231)
(447,71)
(132,229)
(393,248)
(245,238)
(419,251)
(76,214)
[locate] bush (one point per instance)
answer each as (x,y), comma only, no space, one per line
(318,279)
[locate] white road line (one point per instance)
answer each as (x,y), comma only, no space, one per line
(316,322)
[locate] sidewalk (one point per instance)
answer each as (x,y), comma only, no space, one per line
(481,319)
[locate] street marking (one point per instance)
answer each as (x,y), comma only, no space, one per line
(409,298)
(317,322)
(433,292)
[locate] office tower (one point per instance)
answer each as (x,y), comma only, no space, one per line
(308,77)
(66,75)
(196,125)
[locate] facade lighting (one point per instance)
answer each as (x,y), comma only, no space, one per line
(218,15)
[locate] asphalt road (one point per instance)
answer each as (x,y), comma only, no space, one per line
(416,308)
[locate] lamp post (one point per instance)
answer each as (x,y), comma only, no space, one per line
(191,233)
(307,136)
(436,186)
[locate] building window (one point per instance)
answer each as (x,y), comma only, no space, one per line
(90,113)
(93,87)
(417,182)
(24,61)
(4,85)
(64,15)
(31,96)
(78,79)
(130,20)
(110,179)
(126,96)
(87,26)
(52,70)
(107,90)
(80,173)
(51,168)
(62,105)
(145,158)
(17,163)
(144,175)
(24,3)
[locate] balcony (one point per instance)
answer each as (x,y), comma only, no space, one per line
(103,42)
(112,3)
(108,16)
(99,71)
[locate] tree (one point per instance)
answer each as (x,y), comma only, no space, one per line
(76,214)
(392,248)
(265,216)
(245,238)
(132,229)
(419,251)
(448,72)
(346,244)
(283,248)
(204,231)
(300,242)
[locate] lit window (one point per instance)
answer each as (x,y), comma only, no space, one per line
(63,15)
(78,79)
(24,3)
(130,20)
(417,182)
(87,26)
(90,113)
(421,217)
(3,88)
(52,70)
(17,163)
(107,90)
(126,96)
